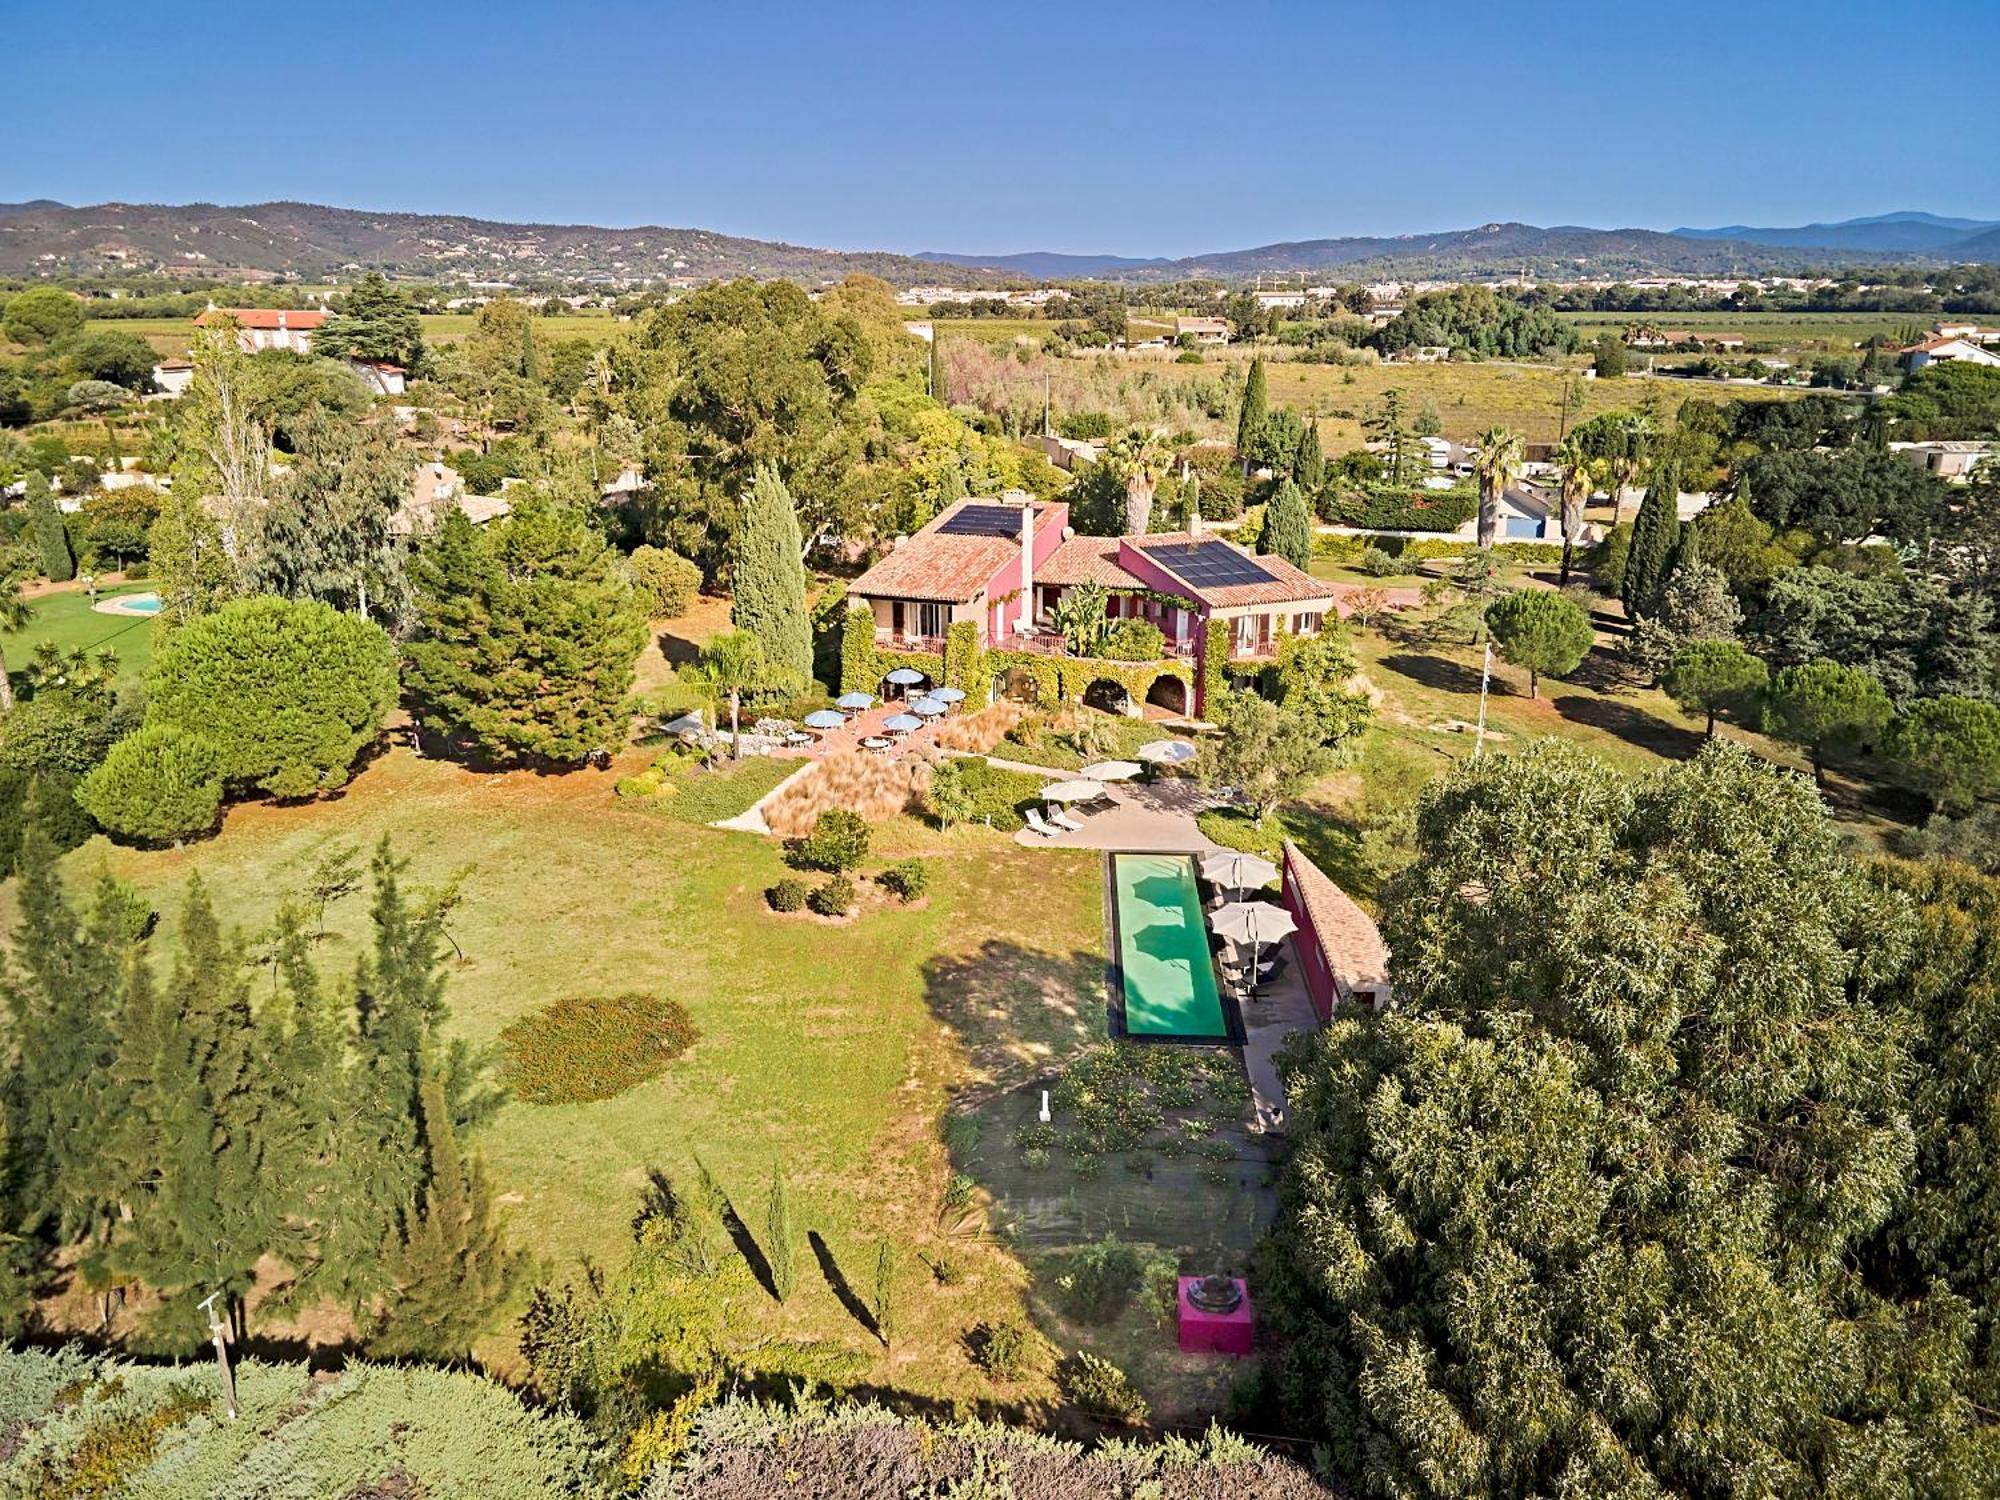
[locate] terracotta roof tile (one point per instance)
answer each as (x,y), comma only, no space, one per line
(1347,935)
(932,565)
(1088,559)
(262,317)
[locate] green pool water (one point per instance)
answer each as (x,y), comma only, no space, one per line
(1163,957)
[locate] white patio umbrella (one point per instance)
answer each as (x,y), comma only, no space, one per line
(1168,752)
(904,678)
(1237,872)
(855,702)
(825,718)
(1111,770)
(930,708)
(1073,791)
(949,695)
(1255,923)
(903,723)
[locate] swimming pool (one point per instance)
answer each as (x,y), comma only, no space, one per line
(1164,986)
(147,603)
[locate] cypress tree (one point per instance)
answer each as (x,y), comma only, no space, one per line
(781,1248)
(1256,407)
(1309,467)
(770,580)
(449,1267)
(45,524)
(1655,536)
(1288,526)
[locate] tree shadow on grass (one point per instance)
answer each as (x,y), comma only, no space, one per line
(1438,672)
(747,1247)
(836,1280)
(1016,1011)
(1633,725)
(677,649)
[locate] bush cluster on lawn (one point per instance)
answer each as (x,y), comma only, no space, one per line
(727,791)
(584,1048)
(1002,1350)
(788,894)
(833,898)
(1097,1281)
(1101,1389)
(906,880)
(837,843)
(666,579)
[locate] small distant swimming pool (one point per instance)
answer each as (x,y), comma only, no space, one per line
(1163,988)
(129,604)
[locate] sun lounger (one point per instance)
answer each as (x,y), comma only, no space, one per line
(1063,820)
(1035,822)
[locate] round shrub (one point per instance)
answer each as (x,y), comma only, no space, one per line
(1002,1350)
(584,1048)
(289,691)
(158,785)
(667,579)
(1098,1281)
(1133,640)
(1377,563)
(788,894)
(1101,1389)
(835,898)
(907,880)
(838,842)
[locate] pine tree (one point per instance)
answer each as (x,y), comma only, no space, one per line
(450,1268)
(45,525)
(770,580)
(781,1248)
(1655,536)
(1256,407)
(1288,526)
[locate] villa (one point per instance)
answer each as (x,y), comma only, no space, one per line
(1003,564)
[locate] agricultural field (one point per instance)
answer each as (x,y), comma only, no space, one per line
(1773,333)
(1468,398)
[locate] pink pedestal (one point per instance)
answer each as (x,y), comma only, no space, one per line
(1216,1333)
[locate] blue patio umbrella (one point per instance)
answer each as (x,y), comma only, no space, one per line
(949,695)
(903,724)
(930,708)
(855,701)
(825,718)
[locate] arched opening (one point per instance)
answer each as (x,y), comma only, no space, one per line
(1017,684)
(1109,696)
(1169,693)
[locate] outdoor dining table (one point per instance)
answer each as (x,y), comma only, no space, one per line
(875,742)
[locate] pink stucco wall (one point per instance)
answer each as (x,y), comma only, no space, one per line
(999,619)
(1306,944)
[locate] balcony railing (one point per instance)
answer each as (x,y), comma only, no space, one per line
(1051,643)
(908,640)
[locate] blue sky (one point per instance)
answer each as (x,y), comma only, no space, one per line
(1159,128)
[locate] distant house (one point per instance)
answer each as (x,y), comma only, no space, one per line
(1422,354)
(259,328)
(437,489)
(1948,460)
(1720,340)
(1068,454)
(1938,351)
(380,376)
(1281,300)
(1972,333)
(1202,330)
(1650,338)
(172,377)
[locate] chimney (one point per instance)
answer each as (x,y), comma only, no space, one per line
(282,324)
(1025,612)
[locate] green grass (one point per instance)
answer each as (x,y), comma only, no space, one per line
(1054,750)
(1773,331)
(833,1048)
(729,790)
(68,620)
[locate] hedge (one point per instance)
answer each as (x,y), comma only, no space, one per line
(961,655)
(1348,549)
(1395,508)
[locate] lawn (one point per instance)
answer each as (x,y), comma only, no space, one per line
(68,620)
(832,1048)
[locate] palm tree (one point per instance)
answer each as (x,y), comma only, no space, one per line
(1579,477)
(14,612)
(1497,462)
(730,665)
(1633,441)
(1141,460)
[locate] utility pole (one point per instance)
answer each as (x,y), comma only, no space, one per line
(1487,677)
(216,1331)
(1047,431)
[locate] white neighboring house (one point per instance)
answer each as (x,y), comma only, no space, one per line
(1950,460)
(1286,300)
(1938,351)
(1202,330)
(380,376)
(1068,454)
(1421,354)
(259,328)
(173,376)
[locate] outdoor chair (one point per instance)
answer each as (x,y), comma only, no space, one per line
(1035,822)
(1063,820)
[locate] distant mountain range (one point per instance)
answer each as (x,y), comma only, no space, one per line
(309,240)
(1908,232)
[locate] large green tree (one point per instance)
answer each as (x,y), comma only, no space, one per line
(1580,1214)
(1823,706)
(1540,631)
(1255,407)
(1656,535)
(373,321)
(769,580)
(1949,749)
(329,533)
(528,634)
(1288,526)
(1711,677)
(45,528)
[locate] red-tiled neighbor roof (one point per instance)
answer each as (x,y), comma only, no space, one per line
(1348,936)
(1288,584)
(1087,559)
(948,569)
(262,317)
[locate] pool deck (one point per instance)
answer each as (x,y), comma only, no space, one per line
(1159,817)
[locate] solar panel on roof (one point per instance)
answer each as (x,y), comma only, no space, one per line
(1210,564)
(984,520)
